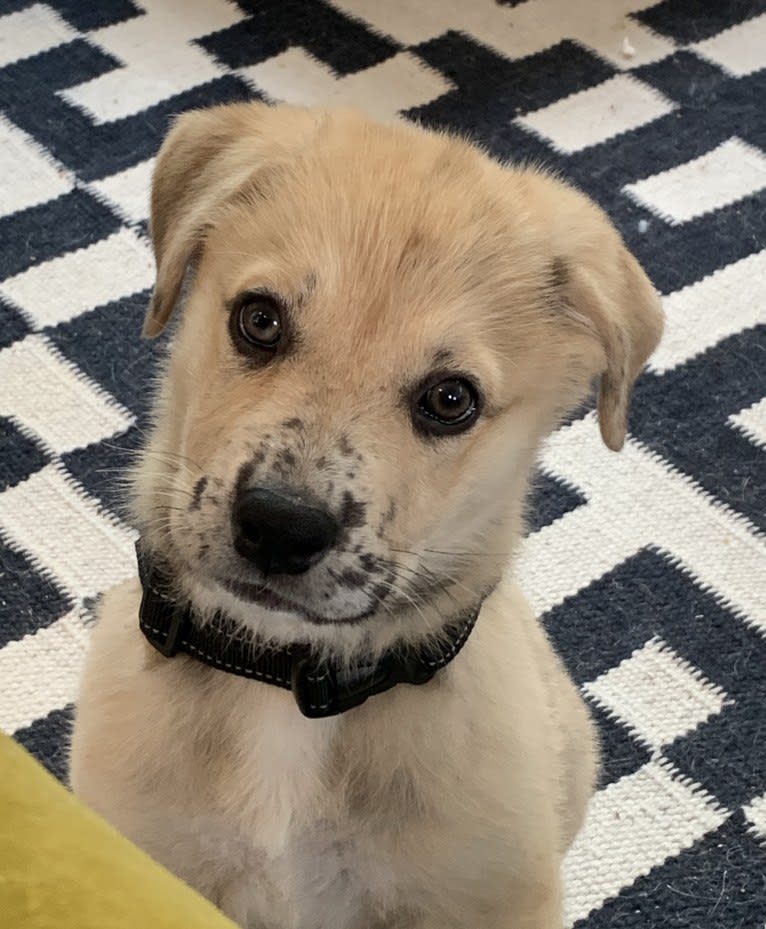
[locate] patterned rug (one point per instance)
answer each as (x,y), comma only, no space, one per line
(648,568)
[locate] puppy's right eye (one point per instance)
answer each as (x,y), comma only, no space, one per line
(259,320)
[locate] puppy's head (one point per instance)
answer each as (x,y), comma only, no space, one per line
(379,326)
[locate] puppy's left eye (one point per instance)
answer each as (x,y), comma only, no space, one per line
(447,407)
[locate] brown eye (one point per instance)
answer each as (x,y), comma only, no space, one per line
(446,407)
(260,321)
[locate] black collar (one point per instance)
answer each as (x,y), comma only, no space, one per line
(319,688)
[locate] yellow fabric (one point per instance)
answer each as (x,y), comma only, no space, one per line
(63,867)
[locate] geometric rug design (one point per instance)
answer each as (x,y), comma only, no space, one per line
(648,568)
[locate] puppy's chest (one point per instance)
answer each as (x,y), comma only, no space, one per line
(309,856)
(325,875)
(314,829)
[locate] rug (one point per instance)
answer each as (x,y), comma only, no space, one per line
(648,568)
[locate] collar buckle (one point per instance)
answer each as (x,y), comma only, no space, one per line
(320,691)
(313,686)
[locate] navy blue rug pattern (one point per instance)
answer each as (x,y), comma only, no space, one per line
(648,568)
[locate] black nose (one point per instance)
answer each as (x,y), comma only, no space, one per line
(279,534)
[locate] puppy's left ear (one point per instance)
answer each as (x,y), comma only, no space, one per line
(603,291)
(609,293)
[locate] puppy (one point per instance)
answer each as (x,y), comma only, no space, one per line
(327,704)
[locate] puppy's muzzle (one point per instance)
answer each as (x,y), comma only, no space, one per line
(280,534)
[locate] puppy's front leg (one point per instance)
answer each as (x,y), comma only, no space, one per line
(540,920)
(539,911)
(542,912)
(232,901)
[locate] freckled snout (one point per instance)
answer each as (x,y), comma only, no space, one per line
(280,534)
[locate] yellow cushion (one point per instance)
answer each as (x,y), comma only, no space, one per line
(63,867)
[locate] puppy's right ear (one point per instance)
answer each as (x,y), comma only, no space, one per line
(206,158)
(189,180)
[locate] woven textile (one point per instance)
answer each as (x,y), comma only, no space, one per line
(648,568)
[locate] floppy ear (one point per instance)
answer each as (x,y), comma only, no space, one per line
(208,156)
(603,291)
(612,296)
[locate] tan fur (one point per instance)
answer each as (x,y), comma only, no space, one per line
(446,806)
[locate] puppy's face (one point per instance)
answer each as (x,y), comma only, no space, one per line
(381,327)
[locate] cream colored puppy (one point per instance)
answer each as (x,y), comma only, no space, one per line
(380,326)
